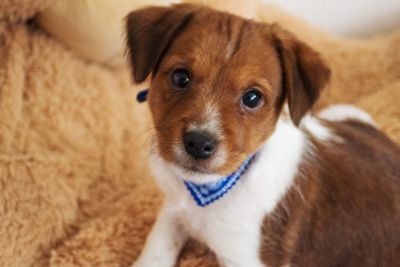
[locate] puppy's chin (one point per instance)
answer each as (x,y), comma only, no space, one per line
(194,175)
(186,168)
(207,169)
(202,171)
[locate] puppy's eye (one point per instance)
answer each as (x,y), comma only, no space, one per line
(180,78)
(252,98)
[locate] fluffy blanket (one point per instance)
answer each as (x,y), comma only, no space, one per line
(75,189)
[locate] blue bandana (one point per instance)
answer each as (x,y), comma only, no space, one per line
(205,194)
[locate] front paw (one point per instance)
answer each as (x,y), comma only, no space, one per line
(153,262)
(141,264)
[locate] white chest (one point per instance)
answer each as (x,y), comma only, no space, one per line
(231,226)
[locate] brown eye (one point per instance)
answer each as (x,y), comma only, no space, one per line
(252,98)
(180,78)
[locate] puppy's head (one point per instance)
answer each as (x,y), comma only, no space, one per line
(218,82)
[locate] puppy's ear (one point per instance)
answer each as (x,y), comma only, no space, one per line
(150,31)
(304,73)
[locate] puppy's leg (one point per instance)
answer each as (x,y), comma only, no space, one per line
(164,242)
(238,249)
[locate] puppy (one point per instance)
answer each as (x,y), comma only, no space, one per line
(244,169)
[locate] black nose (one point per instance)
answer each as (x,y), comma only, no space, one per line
(199,145)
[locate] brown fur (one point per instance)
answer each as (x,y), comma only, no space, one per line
(344,209)
(226,55)
(303,73)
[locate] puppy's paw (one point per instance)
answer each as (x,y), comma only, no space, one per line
(152,262)
(139,263)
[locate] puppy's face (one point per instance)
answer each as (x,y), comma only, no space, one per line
(218,82)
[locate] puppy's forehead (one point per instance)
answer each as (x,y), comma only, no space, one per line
(215,36)
(216,43)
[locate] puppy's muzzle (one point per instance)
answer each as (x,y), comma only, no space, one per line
(199,144)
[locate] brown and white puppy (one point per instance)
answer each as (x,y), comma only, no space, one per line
(319,192)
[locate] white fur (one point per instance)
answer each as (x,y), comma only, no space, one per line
(211,121)
(314,126)
(231,226)
(229,50)
(341,112)
(164,242)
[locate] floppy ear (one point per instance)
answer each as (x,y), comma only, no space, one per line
(150,31)
(304,73)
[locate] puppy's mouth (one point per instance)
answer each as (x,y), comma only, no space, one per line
(206,170)
(198,172)
(208,166)
(196,167)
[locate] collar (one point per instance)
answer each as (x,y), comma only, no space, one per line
(142,95)
(205,194)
